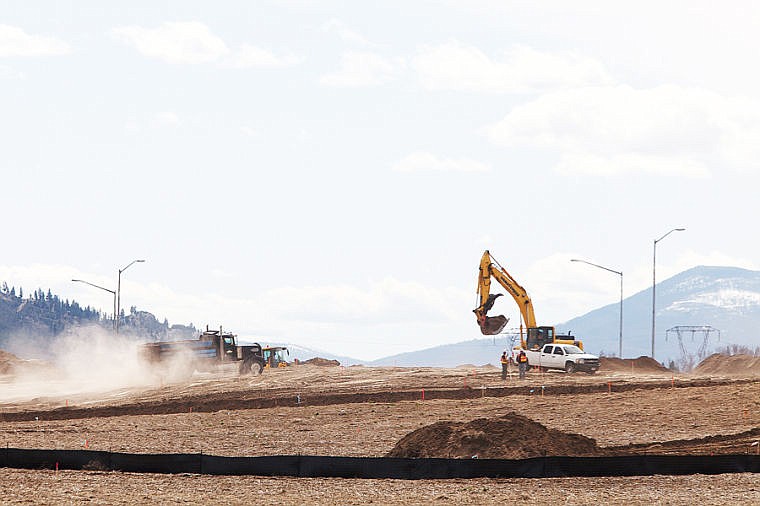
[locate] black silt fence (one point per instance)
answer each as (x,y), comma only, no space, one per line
(379,467)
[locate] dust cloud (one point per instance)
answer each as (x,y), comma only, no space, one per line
(80,362)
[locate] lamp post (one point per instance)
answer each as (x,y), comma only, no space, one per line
(107,290)
(118,293)
(619,273)
(654,279)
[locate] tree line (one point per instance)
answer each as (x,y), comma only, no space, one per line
(44,313)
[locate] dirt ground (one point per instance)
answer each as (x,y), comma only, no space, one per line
(359,411)
(92,487)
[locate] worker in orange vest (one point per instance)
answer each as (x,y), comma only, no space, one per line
(522,363)
(504,365)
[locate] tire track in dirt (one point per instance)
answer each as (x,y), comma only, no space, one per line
(708,445)
(240,400)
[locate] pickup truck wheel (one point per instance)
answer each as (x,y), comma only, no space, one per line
(570,367)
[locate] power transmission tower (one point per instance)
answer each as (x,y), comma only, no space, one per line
(688,359)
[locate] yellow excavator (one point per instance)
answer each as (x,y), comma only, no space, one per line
(537,336)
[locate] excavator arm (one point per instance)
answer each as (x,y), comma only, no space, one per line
(490,268)
(491,325)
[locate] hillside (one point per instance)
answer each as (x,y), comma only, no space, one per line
(725,298)
(43,315)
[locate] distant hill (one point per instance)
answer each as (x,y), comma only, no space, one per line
(43,315)
(475,352)
(724,298)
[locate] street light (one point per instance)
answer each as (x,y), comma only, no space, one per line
(118,293)
(654,264)
(620,344)
(107,290)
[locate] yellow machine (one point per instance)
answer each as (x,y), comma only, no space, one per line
(274,356)
(537,336)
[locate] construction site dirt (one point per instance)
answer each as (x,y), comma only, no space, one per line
(629,407)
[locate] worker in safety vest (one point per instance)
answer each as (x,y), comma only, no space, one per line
(504,365)
(522,363)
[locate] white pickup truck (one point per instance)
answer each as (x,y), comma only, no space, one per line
(566,357)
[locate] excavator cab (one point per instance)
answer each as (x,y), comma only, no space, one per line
(538,337)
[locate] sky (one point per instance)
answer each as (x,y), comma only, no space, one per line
(329,173)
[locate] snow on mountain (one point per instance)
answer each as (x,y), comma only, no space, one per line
(725,298)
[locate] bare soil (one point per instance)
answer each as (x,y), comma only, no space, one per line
(362,411)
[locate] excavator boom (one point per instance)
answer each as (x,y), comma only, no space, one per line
(491,325)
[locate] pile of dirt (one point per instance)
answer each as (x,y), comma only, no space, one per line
(636,365)
(743,365)
(321,362)
(511,436)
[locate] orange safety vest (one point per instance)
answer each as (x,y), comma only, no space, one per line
(522,357)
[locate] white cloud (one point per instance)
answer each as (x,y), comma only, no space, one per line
(174,42)
(662,130)
(166,119)
(16,42)
(362,69)
(249,131)
(388,300)
(345,33)
(250,56)
(7,72)
(423,161)
(221,273)
(192,42)
(520,69)
(691,258)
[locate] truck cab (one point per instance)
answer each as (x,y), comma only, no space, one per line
(275,356)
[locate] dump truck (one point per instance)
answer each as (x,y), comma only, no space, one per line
(212,349)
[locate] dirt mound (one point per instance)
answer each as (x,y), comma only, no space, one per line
(641,364)
(511,436)
(744,365)
(321,362)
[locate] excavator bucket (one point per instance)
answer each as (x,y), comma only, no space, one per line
(491,325)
